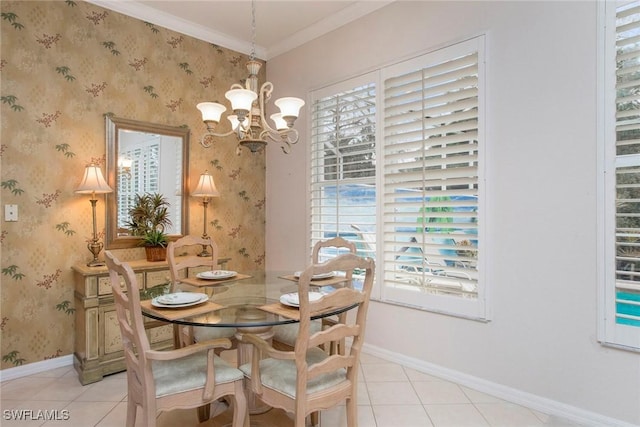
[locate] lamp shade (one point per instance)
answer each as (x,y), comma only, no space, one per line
(279,121)
(241,99)
(206,187)
(211,111)
(93,182)
(234,121)
(125,162)
(289,106)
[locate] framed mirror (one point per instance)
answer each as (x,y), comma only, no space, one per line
(145,158)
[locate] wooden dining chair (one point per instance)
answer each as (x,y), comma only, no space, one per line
(189,377)
(179,268)
(308,379)
(284,336)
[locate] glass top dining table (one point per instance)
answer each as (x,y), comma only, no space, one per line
(248,300)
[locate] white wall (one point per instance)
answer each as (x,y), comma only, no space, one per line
(541,207)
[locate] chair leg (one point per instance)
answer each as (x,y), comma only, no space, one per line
(240,409)
(204,413)
(352,413)
(148,419)
(300,420)
(315,419)
(131,412)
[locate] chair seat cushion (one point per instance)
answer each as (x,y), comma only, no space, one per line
(203,333)
(280,375)
(288,333)
(188,373)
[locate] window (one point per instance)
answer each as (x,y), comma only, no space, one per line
(343,174)
(413,199)
(432,175)
(620,167)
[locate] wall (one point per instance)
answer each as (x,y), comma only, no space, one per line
(540,212)
(63,65)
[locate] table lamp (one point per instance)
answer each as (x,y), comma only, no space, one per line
(93,183)
(206,188)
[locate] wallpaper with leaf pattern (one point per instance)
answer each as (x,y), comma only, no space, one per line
(63,66)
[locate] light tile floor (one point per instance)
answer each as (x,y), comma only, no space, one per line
(389,395)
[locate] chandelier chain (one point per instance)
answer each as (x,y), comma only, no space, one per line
(252,56)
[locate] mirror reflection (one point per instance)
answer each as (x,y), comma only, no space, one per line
(144,158)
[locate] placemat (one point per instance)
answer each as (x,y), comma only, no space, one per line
(321,282)
(194,281)
(282,310)
(179,313)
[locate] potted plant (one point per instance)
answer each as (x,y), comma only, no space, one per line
(149,218)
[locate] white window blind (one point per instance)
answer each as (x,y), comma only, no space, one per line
(432,180)
(621,314)
(343,193)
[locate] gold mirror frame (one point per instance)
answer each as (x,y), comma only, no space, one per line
(114,125)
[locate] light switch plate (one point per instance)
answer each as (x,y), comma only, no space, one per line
(10,212)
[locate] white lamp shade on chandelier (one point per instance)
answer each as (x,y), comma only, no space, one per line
(289,106)
(280,123)
(241,99)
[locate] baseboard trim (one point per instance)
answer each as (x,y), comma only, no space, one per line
(542,404)
(35,367)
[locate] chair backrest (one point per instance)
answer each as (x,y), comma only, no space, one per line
(134,339)
(352,327)
(336,242)
(190,260)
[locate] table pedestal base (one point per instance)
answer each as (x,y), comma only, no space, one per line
(245,353)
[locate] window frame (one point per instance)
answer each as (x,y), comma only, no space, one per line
(328,91)
(610,333)
(433,300)
(479,309)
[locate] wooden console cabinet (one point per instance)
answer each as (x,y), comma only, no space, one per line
(98,346)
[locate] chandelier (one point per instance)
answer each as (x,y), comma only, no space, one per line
(248,120)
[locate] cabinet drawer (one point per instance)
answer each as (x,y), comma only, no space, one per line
(160,334)
(156,278)
(104,284)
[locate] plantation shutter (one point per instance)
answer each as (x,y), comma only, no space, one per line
(343,194)
(627,166)
(432,180)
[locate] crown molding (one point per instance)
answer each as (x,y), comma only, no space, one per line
(174,23)
(145,13)
(320,28)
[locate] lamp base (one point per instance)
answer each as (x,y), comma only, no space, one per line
(95,246)
(204,253)
(96,263)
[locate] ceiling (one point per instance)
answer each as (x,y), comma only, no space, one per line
(280,25)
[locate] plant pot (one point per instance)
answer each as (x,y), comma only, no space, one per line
(156,253)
